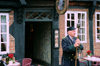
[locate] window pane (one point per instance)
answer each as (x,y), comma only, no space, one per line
(98,30)
(98,23)
(79,15)
(98,16)
(68,23)
(72,16)
(80,31)
(3,19)
(3,46)
(72,22)
(83,16)
(68,16)
(98,37)
(83,37)
(83,30)
(3,28)
(83,23)
(3,38)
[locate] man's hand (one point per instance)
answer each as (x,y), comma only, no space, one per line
(77,43)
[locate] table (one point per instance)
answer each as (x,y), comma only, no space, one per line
(14,64)
(93,59)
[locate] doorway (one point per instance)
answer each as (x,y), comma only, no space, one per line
(38,42)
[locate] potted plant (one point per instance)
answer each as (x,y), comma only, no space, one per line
(89,54)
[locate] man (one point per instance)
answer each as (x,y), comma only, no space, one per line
(69,44)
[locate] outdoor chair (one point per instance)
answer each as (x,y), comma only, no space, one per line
(26,62)
(83,63)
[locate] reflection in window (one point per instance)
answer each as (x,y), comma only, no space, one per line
(3,38)
(68,17)
(68,23)
(83,37)
(97,26)
(98,37)
(98,23)
(4,33)
(98,16)
(3,47)
(3,19)
(72,23)
(73,18)
(79,15)
(83,16)
(83,23)
(3,28)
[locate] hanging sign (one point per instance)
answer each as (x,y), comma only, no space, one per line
(62,6)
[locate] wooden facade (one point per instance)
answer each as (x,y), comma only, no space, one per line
(40,15)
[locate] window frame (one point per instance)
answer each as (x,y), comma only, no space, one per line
(76,21)
(96,26)
(7,33)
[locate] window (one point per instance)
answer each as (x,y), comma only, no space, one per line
(72,18)
(4,33)
(97,26)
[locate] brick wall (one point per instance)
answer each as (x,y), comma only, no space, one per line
(11,38)
(96,44)
(62,32)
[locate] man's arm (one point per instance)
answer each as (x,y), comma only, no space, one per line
(67,47)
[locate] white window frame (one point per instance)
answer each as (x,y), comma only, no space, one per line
(7,33)
(76,21)
(96,26)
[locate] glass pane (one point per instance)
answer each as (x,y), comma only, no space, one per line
(83,30)
(68,23)
(98,30)
(79,22)
(79,15)
(68,16)
(98,23)
(72,16)
(98,37)
(3,28)
(83,23)
(3,19)
(98,16)
(72,22)
(3,46)
(83,37)
(80,31)
(83,16)
(3,38)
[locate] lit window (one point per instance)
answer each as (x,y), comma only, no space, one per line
(97,26)
(72,18)
(4,33)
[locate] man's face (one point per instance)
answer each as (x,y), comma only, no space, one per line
(71,33)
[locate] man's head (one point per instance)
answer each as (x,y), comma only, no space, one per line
(71,31)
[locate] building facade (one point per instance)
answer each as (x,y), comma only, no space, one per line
(86,13)
(34,29)
(30,29)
